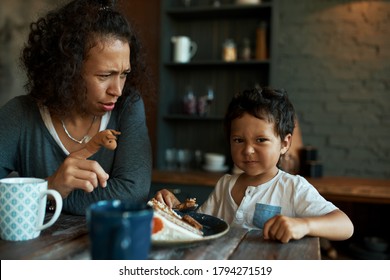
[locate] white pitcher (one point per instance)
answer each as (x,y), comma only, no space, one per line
(183,49)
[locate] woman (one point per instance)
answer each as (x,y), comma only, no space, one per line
(84,71)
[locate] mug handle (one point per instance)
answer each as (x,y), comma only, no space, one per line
(57,212)
(194,48)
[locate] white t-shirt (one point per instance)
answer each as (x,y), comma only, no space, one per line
(293,193)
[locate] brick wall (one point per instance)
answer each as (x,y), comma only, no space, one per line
(333,57)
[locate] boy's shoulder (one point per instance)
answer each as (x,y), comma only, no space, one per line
(227,179)
(291,179)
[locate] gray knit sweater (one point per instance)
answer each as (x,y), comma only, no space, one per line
(27,147)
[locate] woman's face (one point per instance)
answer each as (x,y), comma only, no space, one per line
(104,72)
(255,147)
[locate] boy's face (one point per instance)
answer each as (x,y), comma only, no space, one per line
(255,147)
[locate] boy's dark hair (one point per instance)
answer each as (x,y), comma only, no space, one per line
(267,104)
(59,43)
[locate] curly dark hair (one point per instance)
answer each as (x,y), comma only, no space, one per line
(57,48)
(265,103)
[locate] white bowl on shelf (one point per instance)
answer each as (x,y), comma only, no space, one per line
(248,2)
(214,160)
(222,168)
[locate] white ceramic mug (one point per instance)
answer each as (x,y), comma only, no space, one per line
(23,208)
(248,2)
(183,48)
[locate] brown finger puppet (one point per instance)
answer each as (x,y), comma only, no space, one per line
(106,138)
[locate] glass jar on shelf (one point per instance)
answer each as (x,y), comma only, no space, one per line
(189,102)
(204,102)
(229,52)
(246,52)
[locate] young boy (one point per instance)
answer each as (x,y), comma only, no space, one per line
(259,124)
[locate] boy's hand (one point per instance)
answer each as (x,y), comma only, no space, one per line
(165,196)
(284,228)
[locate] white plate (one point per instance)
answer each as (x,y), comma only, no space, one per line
(213,228)
(215,169)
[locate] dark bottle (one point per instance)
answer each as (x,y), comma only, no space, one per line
(261,41)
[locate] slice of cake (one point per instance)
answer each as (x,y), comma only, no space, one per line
(188,204)
(168,225)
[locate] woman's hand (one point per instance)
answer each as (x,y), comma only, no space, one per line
(165,196)
(75,173)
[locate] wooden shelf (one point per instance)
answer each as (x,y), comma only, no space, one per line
(346,189)
(193,177)
(182,117)
(230,10)
(209,27)
(353,189)
(219,63)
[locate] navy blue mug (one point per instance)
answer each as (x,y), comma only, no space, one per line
(119,230)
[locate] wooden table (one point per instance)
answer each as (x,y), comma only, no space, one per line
(68,239)
(239,244)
